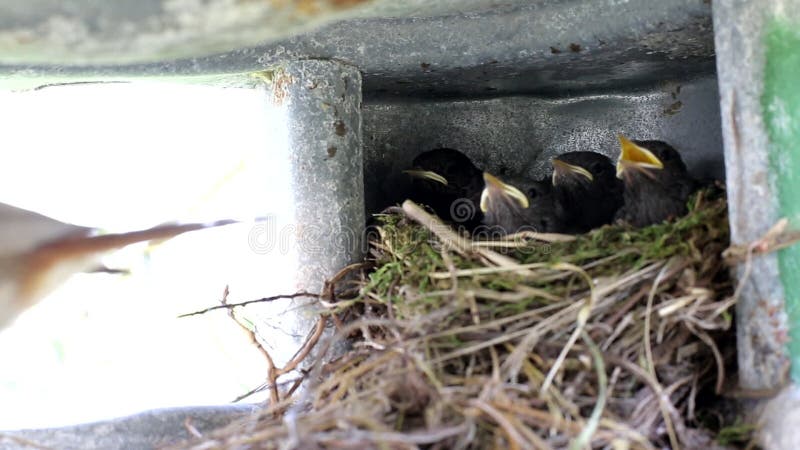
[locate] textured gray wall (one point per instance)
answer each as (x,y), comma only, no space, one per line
(145,430)
(752,197)
(518,135)
(323,100)
(443,48)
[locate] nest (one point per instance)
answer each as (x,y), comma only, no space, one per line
(613,339)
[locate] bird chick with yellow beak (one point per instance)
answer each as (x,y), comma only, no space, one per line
(447,181)
(656,182)
(586,189)
(508,209)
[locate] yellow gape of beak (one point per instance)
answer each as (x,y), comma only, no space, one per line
(494,186)
(560,168)
(634,155)
(427,175)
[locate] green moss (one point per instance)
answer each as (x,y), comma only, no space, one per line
(736,434)
(456,344)
(412,254)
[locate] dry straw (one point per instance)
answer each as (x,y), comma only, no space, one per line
(614,339)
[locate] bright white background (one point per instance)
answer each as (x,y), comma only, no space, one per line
(123,157)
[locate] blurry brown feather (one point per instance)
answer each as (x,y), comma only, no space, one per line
(38,253)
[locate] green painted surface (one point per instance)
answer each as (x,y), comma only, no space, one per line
(781,107)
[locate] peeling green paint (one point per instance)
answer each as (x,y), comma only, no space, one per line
(781,109)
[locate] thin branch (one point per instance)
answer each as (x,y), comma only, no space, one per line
(273,391)
(307,347)
(249,302)
(266,385)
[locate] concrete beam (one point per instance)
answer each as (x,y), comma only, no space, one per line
(750,71)
(81,32)
(323,108)
(149,429)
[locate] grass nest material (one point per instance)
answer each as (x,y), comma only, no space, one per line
(606,340)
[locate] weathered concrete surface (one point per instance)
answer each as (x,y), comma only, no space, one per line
(116,31)
(778,420)
(146,430)
(322,104)
(452,48)
(322,100)
(752,196)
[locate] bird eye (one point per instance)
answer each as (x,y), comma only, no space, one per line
(532,193)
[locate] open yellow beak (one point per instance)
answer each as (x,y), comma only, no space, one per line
(560,169)
(493,186)
(634,155)
(427,175)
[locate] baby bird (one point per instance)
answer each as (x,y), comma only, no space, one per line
(657,184)
(446,180)
(508,209)
(586,189)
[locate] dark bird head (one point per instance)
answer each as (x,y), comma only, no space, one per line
(581,169)
(446,170)
(586,189)
(657,184)
(447,181)
(654,160)
(508,209)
